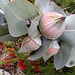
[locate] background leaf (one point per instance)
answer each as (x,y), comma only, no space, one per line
(4,30)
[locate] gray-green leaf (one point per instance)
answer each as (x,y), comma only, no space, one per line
(33,31)
(8,37)
(69,34)
(42,50)
(69,38)
(61,58)
(58,9)
(3,4)
(67,13)
(71,61)
(17,13)
(70,23)
(45,5)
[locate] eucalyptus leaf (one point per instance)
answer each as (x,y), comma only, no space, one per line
(42,50)
(44,5)
(67,13)
(8,37)
(3,4)
(33,31)
(1,11)
(70,23)
(58,9)
(71,61)
(39,9)
(61,58)
(17,13)
(68,37)
(69,34)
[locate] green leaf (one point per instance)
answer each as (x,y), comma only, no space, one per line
(71,61)
(58,9)
(67,13)
(70,22)
(44,5)
(1,62)
(33,31)
(17,13)
(69,34)
(4,34)
(3,4)
(14,59)
(42,50)
(61,58)
(8,37)
(68,37)
(39,9)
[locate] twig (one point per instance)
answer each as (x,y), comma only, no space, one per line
(4,56)
(66,8)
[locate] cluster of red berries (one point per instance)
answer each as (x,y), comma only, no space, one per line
(36,67)
(21,64)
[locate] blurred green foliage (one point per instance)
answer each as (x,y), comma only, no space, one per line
(68,5)
(48,69)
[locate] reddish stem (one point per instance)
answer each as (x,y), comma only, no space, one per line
(9,0)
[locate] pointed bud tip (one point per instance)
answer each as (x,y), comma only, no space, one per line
(63,18)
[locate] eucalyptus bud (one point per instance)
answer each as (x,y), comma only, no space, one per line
(52,25)
(54,48)
(29,44)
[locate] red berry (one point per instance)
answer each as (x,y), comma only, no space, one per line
(21,64)
(36,68)
(12,55)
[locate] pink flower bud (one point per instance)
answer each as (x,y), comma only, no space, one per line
(52,25)
(29,44)
(54,48)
